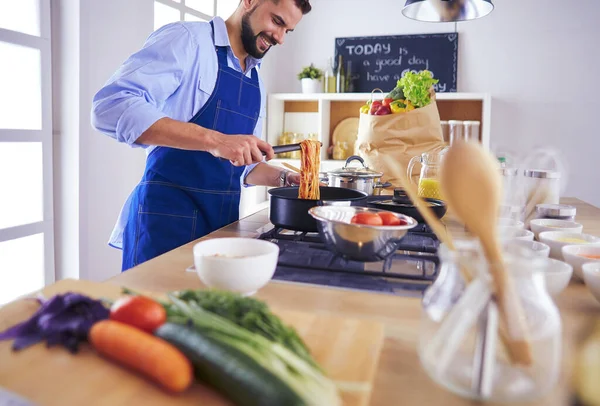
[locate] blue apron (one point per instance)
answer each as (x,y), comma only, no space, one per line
(185,195)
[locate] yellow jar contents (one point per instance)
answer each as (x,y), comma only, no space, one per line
(430,188)
(573,240)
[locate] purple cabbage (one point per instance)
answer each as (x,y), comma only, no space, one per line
(62,320)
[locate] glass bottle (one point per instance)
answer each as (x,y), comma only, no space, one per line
(329,83)
(459,328)
(349,88)
(340,76)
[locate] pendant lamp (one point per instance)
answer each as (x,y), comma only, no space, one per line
(442,11)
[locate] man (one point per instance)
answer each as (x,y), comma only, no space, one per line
(192,97)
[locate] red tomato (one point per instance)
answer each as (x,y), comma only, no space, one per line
(371,219)
(139,311)
(387,101)
(389,219)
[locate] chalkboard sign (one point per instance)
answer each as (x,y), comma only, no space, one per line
(378,62)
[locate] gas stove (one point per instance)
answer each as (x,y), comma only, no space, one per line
(304,259)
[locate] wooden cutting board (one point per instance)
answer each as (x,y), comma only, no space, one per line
(348,350)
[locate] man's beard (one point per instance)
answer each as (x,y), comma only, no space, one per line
(250,40)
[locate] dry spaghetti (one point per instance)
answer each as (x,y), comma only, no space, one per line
(310,163)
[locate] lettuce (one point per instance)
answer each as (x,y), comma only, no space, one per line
(416,86)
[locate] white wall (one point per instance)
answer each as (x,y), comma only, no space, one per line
(100,35)
(537,58)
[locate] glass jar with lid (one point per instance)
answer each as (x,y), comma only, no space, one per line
(461,346)
(544,178)
(512,205)
(541,186)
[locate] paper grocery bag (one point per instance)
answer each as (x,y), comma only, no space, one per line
(400,136)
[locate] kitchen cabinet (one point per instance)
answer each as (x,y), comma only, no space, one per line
(320,114)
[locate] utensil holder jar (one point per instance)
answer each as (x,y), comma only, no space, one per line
(450,330)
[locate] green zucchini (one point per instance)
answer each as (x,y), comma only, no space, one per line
(228,370)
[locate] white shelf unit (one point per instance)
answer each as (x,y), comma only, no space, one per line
(331,108)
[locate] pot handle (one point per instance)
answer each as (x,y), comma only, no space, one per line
(323,177)
(355,158)
(383,185)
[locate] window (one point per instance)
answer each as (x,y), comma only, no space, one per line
(168,11)
(26,220)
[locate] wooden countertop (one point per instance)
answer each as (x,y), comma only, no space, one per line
(400,377)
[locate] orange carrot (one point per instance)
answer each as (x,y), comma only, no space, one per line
(151,356)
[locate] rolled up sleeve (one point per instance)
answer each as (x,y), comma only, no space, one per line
(132,99)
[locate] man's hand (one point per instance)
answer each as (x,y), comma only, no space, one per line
(240,149)
(293,178)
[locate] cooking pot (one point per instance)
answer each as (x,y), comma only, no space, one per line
(291,213)
(362,179)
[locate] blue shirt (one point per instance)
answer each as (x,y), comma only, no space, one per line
(173,75)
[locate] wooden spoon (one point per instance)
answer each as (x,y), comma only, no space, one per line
(471,182)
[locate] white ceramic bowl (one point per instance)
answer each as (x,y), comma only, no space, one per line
(535,248)
(514,233)
(573,255)
(557,275)
(241,265)
(556,240)
(591,277)
(541,225)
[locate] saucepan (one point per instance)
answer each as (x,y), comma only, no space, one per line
(359,178)
(401,203)
(359,242)
(291,213)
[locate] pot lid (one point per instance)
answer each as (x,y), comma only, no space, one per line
(556,210)
(362,172)
(542,174)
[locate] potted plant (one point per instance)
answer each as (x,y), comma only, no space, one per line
(311,79)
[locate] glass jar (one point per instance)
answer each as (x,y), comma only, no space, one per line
(285,139)
(512,205)
(544,178)
(338,151)
(455,131)
(541,186)
(471,130)
(297,138)
(458,340)
(445,130)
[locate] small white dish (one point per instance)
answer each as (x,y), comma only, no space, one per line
(540,225)
(509,222)
(557,275)
(574,255)
(535,248)
(241,265)
(556,240)
(591,277)
(514,233)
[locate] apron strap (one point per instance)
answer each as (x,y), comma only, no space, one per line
(222,56)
